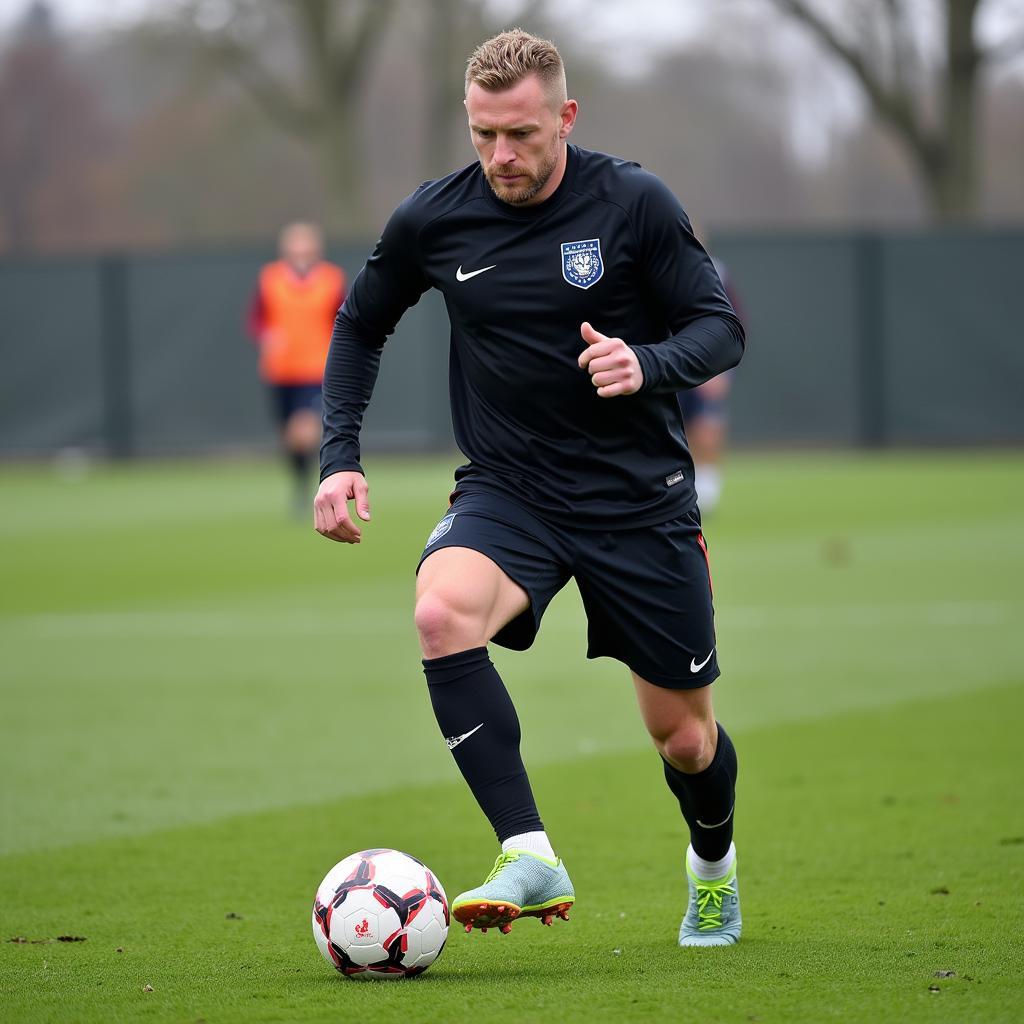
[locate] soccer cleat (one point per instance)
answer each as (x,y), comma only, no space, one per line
(521,884)
(713,911)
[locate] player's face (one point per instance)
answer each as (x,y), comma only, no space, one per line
(518,135)
(301,249)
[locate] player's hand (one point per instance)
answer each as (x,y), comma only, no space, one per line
(613,366)
(331,517)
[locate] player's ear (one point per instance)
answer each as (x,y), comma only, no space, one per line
(567,118)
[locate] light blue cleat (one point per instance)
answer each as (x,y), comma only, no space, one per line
(713,911)
(521,884)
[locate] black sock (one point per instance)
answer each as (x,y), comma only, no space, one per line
(479,721)
(706,799)
(300,467)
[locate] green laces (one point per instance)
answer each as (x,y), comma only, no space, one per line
(709,902)
(503,861)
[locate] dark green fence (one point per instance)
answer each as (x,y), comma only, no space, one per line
(853,340)
(880,339)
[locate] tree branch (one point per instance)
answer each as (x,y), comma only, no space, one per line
(271,94)
(894,104)
(350,59)
(902,52)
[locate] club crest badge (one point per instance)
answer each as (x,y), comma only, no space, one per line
(441,529)
(582,265)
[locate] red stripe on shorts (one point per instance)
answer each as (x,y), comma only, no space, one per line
(703,546)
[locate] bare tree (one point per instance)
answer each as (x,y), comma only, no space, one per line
(447,33)
(317,99)
(932,111)
(452,29)
(50,129)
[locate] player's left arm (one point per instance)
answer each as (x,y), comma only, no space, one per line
(256,318)
(706,336)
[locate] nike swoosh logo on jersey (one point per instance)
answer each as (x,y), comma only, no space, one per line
(454,741)
(460,276)
(694,667)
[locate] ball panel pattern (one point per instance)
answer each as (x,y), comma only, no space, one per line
(380,913)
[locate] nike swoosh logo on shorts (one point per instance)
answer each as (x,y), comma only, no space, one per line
(460,276)
(694,667)
(454,741)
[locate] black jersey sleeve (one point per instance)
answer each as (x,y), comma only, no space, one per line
(706,335)
(391,281)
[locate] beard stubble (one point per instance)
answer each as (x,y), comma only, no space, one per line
(523,193)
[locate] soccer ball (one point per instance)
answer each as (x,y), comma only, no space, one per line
(380,914)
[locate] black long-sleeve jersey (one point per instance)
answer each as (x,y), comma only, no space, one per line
(611,246)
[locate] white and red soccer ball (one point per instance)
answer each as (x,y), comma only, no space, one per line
(380,914)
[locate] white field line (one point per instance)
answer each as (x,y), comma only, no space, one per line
(261,622)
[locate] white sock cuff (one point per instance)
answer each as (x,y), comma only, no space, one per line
(711,870)
(535,842)
(707,481)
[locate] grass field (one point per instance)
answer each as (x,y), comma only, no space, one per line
(204,705)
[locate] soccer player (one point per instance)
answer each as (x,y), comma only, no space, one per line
(291,316)
(580,303)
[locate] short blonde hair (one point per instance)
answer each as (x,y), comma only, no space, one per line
(506,59)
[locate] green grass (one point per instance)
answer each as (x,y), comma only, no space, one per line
(203,706)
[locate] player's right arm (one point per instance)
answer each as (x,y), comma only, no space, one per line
(331,516)
(384,289)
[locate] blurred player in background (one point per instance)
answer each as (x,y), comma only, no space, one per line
(292,313)
(580,304)
(706,418)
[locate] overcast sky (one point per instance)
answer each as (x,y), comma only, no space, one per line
(648,21)
(629,35)
(636,28)
(644,20)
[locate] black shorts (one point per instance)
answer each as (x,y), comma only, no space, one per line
(290,398)
(695,405)
(646,592)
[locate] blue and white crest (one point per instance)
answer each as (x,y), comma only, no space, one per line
(582,265)
(441,529)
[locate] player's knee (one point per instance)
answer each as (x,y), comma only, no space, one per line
(689,746)
(302,431)
(444,627)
